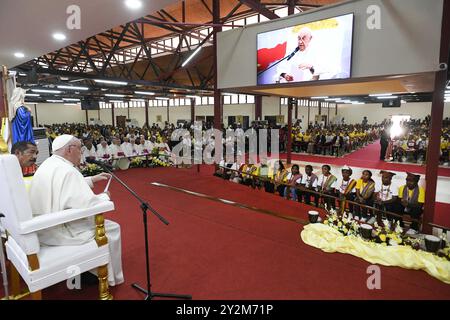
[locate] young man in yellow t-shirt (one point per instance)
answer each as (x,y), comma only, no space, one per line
(412,198)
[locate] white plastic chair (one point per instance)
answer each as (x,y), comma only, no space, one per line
(43,266)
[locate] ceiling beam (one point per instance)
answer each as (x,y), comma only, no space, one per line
(91,76)
(256,6)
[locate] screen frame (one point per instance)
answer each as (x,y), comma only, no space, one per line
(352,14)
(90,102)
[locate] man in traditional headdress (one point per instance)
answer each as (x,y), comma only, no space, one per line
(412,198)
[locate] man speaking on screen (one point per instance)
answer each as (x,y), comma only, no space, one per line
(303,65)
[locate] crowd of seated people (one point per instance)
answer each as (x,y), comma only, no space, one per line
(107,143)
(333,140)
(411,142)
(361,194)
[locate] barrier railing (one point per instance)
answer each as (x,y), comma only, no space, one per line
(378,213)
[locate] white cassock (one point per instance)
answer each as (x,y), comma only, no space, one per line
(88,153)
(103,153)
(149,145)
(140,149)
(165,146)
(309,56)
(115,150)
(126,147)
(133,149)
(57,185)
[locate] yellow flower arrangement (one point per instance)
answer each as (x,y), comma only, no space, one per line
(91,170)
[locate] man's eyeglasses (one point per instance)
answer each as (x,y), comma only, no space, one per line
(74,145)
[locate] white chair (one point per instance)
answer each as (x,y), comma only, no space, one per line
(43,266)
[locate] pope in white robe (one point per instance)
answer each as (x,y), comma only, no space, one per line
(57,185)
(305,64)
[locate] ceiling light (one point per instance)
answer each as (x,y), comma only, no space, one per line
(73,88)
(191,56)
(55,101)
(133,4)
(19,55)
(111,82)
(317,98)
(70,99)
(115,101)
(145,93)
(59,36)
(114,95)
(22,74)
(32,95)
(46,91)
(380,95)
(387,97)
(162,98)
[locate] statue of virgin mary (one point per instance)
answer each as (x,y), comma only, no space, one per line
(22,127)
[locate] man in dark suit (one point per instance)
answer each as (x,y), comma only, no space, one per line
(384,141)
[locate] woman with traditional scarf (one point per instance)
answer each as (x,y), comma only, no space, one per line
(346,187)
(291,178)
(327,185)
(365,188)
(307,182)
(412,199)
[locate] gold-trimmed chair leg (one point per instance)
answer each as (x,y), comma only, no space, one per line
(103,287)
(14,280)
(36,295)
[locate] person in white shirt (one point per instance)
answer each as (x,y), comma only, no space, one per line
(346,186)
(126,147)
(148,145)
(116,148)
(139,146)
(88,150)
(327,185)
(386,193)
(133,148)
(307,182)
(103,151)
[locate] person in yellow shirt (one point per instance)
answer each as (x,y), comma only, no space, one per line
(279,175)
(365,188)
(412,198)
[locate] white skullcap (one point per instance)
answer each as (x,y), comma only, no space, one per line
(61,141)
(346,168)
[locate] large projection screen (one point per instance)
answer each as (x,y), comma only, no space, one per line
(318,50)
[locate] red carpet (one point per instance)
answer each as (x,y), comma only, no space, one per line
(367,157)
(216,251)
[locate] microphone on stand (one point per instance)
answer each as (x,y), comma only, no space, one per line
(99,163)
(293,53)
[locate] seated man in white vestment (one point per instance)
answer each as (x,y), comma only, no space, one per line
(103,151)
(58,185)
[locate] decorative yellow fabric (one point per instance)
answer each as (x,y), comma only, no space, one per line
(330,240)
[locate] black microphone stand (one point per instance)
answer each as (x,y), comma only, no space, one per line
(144,207)
(273,65)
